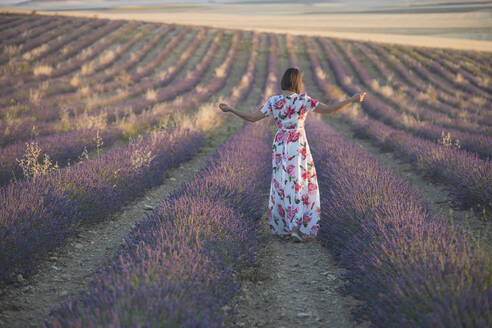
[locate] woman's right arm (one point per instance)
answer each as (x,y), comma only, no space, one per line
(251,117)
(332,108)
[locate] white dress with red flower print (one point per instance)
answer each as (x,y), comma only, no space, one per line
(294,195)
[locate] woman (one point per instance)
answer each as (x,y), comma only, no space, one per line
(294,206)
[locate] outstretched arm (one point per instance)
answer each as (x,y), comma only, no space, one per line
(252,117)
(332,108)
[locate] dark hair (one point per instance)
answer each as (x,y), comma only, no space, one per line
(292,80)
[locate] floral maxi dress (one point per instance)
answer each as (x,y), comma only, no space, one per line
(294,195)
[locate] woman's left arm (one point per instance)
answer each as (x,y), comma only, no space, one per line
(332,108)
(251,117)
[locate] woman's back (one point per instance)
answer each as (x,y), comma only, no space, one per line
(289,111)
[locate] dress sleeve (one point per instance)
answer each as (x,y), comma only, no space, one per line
(311,104)
(267,108)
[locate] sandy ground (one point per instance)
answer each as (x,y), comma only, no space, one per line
(420,29)
(292,285)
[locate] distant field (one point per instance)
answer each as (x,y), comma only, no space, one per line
(457,26)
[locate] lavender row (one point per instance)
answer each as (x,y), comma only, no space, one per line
(16,64)
(175,267)
(475,143)
(59,64)
(272,83)
(320,76)
(421,86)
(465,120)
(62,94)
(408,267)
(245,85)
(58,81)
(478,143)
(39,214)
(481,58)
(109,80)
(436,67)
(14,22)
(84,43)
(11,21)
(70,33)
(74,37)
(473,62)
(7,84)
(67,96)
(21,131)
(467,177)
(5,26)
(163,54)
(292,50)
(190,81)
(36,38)
(66,147)
(202,93)
(216,83)
(408,57)
(12,29)
(477,79)
(98,42)
(8,20)
(36,28)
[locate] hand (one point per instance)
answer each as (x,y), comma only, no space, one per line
(225,107)
(358,97)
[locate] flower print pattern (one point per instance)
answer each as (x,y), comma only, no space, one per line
(294,195)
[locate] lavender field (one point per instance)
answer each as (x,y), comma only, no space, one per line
(96,114)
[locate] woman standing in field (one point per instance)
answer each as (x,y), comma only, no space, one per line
(294,205)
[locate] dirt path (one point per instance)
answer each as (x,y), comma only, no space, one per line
(68,269)
(291,285)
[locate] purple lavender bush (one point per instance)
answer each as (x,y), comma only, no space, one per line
(175,267)
(410,268)
(417,75)
(380,110)
(65,146)
(385,111)
(40,213)
(467,177)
